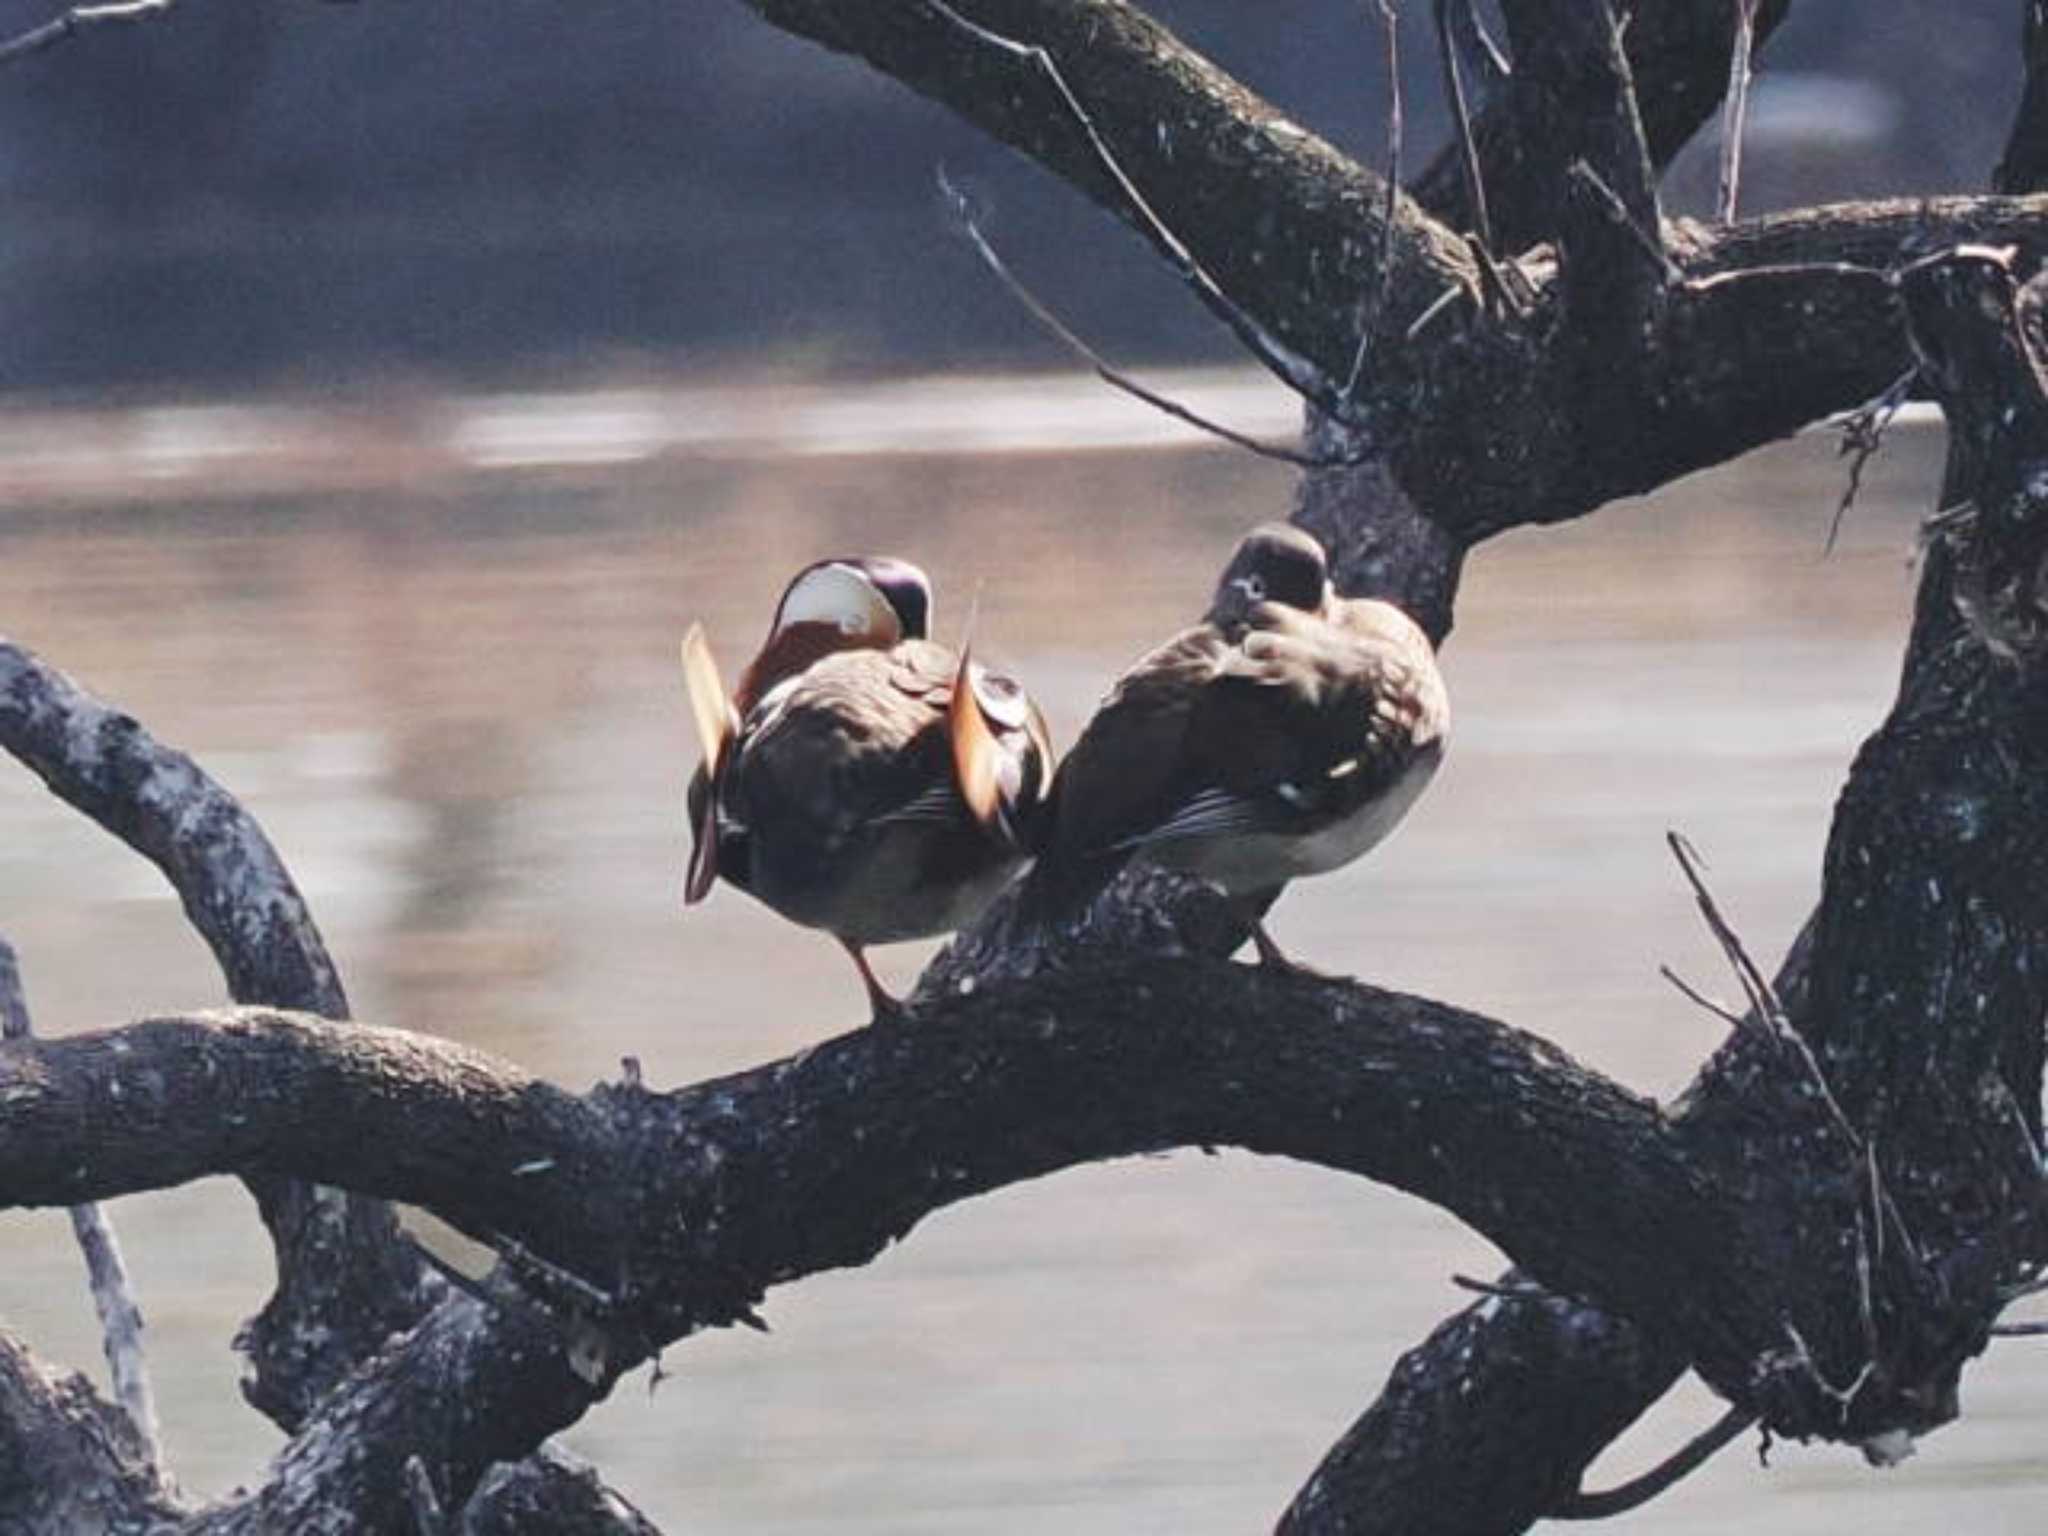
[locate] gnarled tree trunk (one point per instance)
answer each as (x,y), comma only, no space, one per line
(1825,1227)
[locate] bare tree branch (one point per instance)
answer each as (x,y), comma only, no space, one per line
(2024,165)
(963,215)
(1735,111)
(1372,305)
(113,1296)
(1896,1033)
(89,1470)
(1678,52)
(79,18)
(344,1281)
(1465,145)
(1289,366)
(1214,162)
(1667,1474)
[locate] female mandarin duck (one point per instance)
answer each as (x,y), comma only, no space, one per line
(862,779)
(1284,735)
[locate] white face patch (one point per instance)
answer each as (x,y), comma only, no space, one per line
(842,597)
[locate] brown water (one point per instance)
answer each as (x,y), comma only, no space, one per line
(444,678)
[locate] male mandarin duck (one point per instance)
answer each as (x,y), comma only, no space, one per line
(1284,735)
(862,779)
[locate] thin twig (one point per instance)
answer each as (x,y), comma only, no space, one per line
(1610,199)
(559,1287)
(1293,369)
(1763,996)
(107,1274)
(1461,113)
(1478,46)
(1693,994)
(963,214)
(2019,1330)
(1843,1397)
(76,20)
(428,1516)
(1501,298)
(1735,110)
(1369,314)
(1866,1300)
(1863,432)
(1513,1291)
(1638,1491)
(1436,307)
(1763,1007)
(1769,271)
(1771,1014)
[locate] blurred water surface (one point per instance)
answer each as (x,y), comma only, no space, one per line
(431,644)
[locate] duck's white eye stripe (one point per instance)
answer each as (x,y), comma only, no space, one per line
(1345,769)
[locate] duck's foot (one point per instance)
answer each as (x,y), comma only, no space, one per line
(1271,958)
(884,1008)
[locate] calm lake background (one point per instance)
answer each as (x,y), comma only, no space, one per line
(431,643)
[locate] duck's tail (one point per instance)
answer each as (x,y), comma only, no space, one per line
(717,724)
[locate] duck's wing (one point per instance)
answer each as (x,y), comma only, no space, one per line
(1311,719)
(857,739)
(1001,749)
(1128,772)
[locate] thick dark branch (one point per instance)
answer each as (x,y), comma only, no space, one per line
(1678,55)
(821,1161)
(237,892)
(1921,987)
(2024,165)
(345,1283)
(1776,323)
(1577,103)
(69,1461)
(733,1185)
(1487,1424)
(464,1390)
(573,1502)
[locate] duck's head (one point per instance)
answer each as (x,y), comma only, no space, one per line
(869,600)
(1275,563)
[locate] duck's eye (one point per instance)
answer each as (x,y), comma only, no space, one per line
(1255,588)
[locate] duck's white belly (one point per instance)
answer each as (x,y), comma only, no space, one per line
(1260,861)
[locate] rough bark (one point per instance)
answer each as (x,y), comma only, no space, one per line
(1678,56)
(346,1281)
(1770,324)
(69,1460)
(1855,1175)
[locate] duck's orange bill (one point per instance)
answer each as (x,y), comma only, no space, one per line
(717,724)
(977,759)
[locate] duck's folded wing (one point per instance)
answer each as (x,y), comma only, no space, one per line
(1128,772)
(1307,723)
(858,740)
